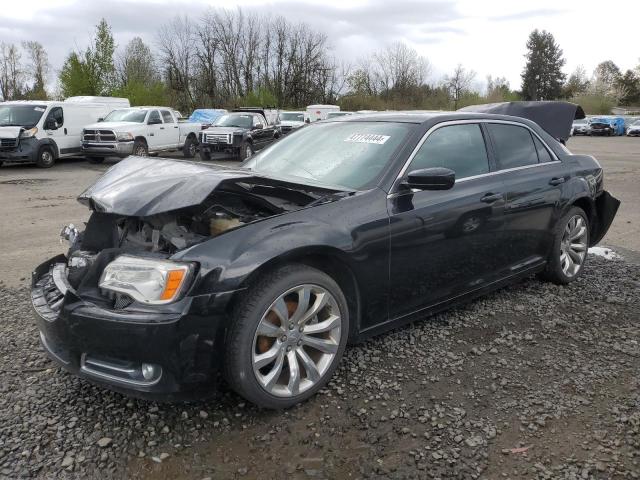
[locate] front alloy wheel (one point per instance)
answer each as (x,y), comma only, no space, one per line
(288,332)
(296,340)
(573,247)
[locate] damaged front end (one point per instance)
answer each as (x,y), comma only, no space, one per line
(118,308)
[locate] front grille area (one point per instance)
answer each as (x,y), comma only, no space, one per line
(98,136)
(8,142)
(217,138)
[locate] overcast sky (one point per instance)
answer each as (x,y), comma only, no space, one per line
(487,36)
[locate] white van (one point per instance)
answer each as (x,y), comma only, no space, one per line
(320,112)
(43,131)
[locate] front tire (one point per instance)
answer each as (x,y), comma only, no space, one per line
(570,244)
(190,147)
(287,337)
(140,149)
(246,151)
(46,157)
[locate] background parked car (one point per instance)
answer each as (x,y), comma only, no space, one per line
(43,131)
(289,121)
(139,131)
(240,132)
(633,130)
(600,126)
(580,127)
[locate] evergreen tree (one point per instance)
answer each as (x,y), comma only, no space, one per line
(629,87)
(577,84)
(542,78)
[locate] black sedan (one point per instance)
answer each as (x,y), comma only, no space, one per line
(340,231)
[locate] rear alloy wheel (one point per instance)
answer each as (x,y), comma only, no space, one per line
(289,335)
(46,158)
(571,241)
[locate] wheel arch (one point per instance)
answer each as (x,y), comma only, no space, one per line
(142,139)
(49,142)
(329,260)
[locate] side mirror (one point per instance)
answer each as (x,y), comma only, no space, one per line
(101,119)
(258,126)
(437,178)
(50,124)
(308,120)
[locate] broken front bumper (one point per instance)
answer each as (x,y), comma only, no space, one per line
(25,150)
(166,352)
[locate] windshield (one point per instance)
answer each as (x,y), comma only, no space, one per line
(241,120)
(580,122)
(134,116)
(292,117)
(21,115)
(346,154)
(600,120)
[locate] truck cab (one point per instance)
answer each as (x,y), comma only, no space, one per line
(43,131)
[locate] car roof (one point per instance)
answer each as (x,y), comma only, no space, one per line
(423,117)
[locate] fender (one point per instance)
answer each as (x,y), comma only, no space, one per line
(48,142)
(228,260)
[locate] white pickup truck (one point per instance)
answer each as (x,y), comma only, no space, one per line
(139,131)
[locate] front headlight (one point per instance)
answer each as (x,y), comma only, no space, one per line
(124,137)
(29,133)
(147,280)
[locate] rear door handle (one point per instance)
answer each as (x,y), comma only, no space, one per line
(556,181)
(491,197)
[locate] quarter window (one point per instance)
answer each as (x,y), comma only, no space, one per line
(460,148)
(166,116)
(514,146)
(543,153)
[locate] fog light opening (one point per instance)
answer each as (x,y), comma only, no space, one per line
(148,371)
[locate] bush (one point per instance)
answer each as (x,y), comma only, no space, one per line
(595,104)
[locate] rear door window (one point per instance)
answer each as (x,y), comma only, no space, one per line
(460,148)
(514,146)
(166,116)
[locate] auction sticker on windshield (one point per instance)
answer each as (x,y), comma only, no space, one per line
(367,138)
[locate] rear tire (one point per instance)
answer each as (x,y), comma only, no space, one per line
(96,160)
(570,245)
(190,147)
(46,157)
(284,352)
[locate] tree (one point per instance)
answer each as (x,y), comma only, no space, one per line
(136,64)
(459,83)
(499,90)
(12,77)
(628,86)
(577,83)
(176,41)
(37,69)
(542,77)
(605,78)
(92,72)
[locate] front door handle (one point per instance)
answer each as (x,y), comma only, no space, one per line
(556,181)
(161,128)
(491,197)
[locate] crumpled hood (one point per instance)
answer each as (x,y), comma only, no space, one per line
(10,132)
(112,125)
(144,186)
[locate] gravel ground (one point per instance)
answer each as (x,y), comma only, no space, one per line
(534,381)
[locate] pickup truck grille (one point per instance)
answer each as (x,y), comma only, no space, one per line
(99,136)
(8,142)
(217,138)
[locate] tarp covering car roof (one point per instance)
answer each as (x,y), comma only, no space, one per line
(206,115)
(555,118)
